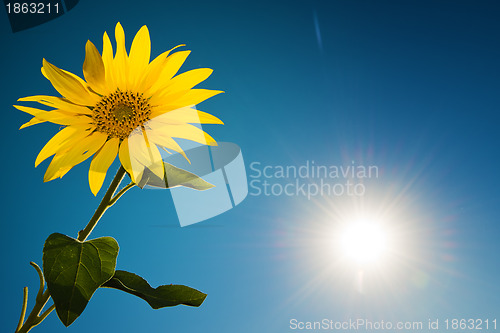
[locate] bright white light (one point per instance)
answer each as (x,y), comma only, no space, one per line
(364,242)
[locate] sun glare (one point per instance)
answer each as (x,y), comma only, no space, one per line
(363,242)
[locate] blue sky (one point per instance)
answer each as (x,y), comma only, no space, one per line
(408,86)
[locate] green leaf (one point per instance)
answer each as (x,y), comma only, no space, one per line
(168,295)
(173,177)
(74,270)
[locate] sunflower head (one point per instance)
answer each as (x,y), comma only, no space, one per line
(125,106)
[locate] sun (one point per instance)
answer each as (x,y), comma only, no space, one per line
(364,242)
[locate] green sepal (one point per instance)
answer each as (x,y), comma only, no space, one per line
(173,176)
(163,296)
(74,270)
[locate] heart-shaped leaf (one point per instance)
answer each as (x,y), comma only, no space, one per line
(173,177)
(74,270)
(168,295)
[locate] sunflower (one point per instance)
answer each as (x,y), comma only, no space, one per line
(126,106)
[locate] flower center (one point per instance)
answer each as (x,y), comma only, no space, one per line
(122,111)
(119,113)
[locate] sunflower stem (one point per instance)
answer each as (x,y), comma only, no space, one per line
(105,204)
(120,193)
(23,310)
(34,318)
(46,313)
(43,297)
(42,280)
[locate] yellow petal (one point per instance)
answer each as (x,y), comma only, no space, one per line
(163,140)
(58,103)
(32,122)
(153,71)
(68,86)
(140,52)
(107,51)
(120,41)
(171,67)
(29,110)
(120,62)
(79,79)
(64,161)
(196,96)
(54,166)
(166,100)
(185,131)
(76,77)
(155,158)
(188,80)
(55,116)
(140,153)
(187,115)
(101,163)
(179,100)
(207,118)
(93,69)
(124,155)
(59,140)
(107,59)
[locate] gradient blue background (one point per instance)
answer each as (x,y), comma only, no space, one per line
(409,86)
